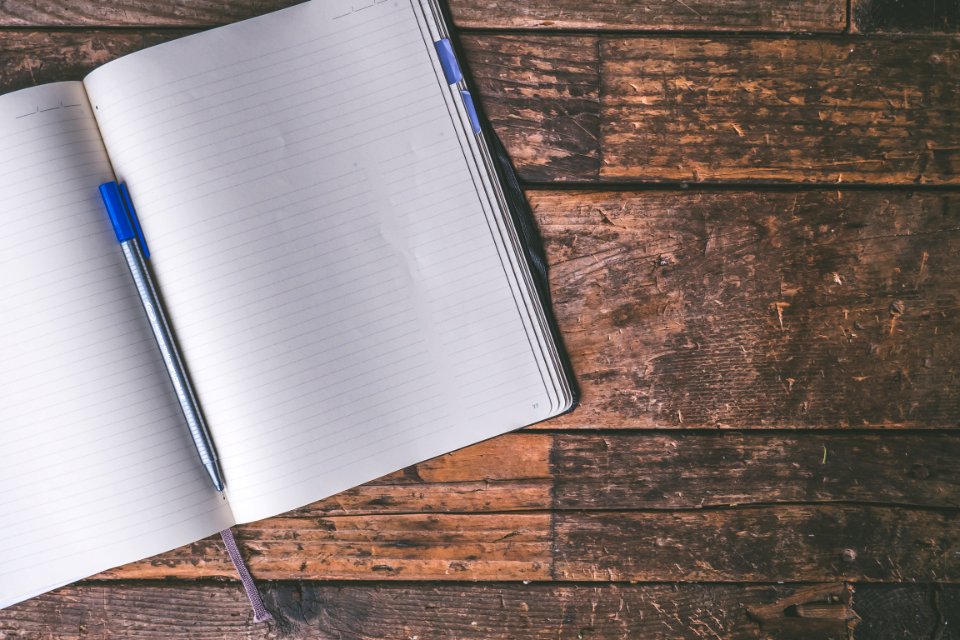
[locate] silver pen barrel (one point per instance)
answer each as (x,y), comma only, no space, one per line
(172,360)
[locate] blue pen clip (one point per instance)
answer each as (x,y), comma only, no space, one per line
(453,75)
(448,60)
(471,110)
(122,215)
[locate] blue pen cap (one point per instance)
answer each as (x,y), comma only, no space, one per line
(132,213)
(117,212)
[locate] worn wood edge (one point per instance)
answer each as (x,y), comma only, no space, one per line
(535,611)
(742,15)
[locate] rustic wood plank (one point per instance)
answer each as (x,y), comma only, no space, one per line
(698,15)
(757,309)
(905,16)
(394,547)
(682,471)
(846,110)
(790,544)
(751,15)
(535,612)
(531,612)
(797,543)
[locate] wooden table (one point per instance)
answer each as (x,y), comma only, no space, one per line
(753,223)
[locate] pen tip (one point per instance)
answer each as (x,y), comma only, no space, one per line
(214,474)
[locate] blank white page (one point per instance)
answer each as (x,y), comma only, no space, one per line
(98,469)
(322,248)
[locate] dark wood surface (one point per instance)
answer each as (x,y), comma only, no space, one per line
(752,214)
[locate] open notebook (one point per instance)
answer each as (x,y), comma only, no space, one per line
(333,241)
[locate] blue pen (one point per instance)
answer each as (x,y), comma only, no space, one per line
(130,236)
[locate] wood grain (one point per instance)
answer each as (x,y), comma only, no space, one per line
(668,15)
(905,16)
(508,611)
(505,611)
(757,309)
(751,15)
(790,544)
(683,471)
(837,111)
(389,547)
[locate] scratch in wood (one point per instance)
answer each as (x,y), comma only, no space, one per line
(923,266)
(780,306)
(690,8)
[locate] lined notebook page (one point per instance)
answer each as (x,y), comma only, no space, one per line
(321,247)
(97,468)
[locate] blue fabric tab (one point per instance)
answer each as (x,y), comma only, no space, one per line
(471,110)
(117,213)
(128,203)
(451,68)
